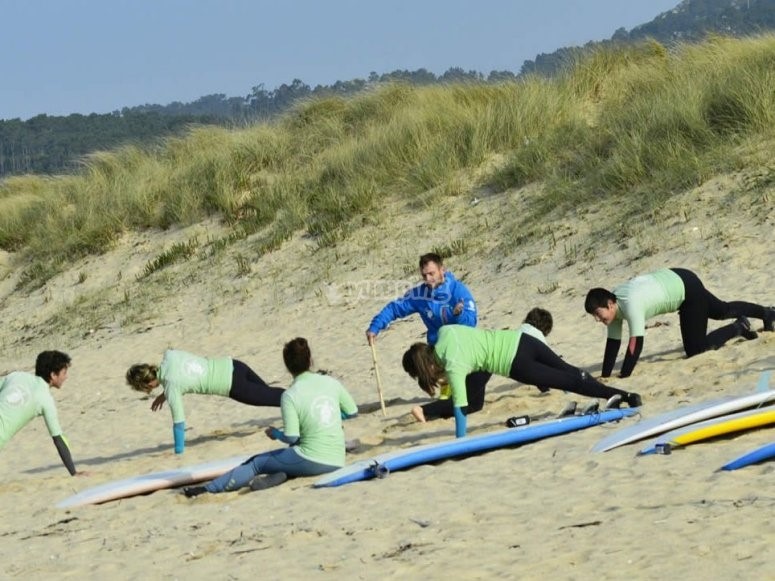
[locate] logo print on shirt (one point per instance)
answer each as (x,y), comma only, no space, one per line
(325,410)
(15,396)
(193,368)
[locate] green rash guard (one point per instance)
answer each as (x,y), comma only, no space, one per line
(463,350)
(311,409)
(182,372)
(644,297)
(24,396)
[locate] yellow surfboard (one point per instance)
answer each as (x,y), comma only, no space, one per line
(724,425)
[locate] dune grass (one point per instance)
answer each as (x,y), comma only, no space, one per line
(628,126)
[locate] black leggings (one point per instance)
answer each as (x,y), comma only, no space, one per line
(700,305)
(476,382)
(247,387)
(536,364)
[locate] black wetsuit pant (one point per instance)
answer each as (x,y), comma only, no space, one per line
(247,387)
(537,364)
(700,305)
(476,383)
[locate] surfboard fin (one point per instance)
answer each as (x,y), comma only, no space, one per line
(379,470)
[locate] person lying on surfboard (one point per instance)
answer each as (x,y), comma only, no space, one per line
(313,408)
(666,291)
(441,299)
(510,353)
(538,323)
(181,372)
(24,396)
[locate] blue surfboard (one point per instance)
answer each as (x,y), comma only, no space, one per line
(383,464)
(766,452)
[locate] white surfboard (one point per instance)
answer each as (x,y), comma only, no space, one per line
(681,417)
(152,482)
(712,428)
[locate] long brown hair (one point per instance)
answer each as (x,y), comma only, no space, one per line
(421,363)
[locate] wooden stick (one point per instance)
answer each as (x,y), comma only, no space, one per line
(379,381)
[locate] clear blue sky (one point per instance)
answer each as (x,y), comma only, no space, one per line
(96,56)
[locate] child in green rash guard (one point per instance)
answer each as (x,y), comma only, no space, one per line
(538,323)
(666,291)
(313,408)
(181,372)
(24,396)
(514,354)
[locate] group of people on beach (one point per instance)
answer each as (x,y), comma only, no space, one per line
(453,366)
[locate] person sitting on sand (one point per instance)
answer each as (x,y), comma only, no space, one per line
(24,396)
(509,353)
(181,372)
(538,323)
(312,409)
(666,291)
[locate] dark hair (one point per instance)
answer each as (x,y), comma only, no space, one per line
(420,363)
(598,298)
(541,319)
(431,257)
(49,362)
(297,356)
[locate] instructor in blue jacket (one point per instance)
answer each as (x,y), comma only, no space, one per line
(440,300)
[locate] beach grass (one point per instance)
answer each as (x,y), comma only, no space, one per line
(627,126)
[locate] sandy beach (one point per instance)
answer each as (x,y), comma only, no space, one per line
(551,509)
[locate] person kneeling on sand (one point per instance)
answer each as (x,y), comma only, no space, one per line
(312,410)
(538,323)
(461,350)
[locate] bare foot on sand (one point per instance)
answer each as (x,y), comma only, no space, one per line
(418,414)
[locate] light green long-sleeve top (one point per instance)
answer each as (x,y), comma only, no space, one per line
(24,396)
(463,350)
(181,372)
(643,297)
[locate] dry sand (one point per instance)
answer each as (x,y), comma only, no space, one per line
(550,509)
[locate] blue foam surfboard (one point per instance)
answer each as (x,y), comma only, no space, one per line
(383,464)
(766,452)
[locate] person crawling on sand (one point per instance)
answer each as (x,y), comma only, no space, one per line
(181,373)
(538,323)
(666,291)
(510,353)
(23,396)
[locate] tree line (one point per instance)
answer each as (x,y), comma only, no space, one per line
(53,144)
(50,144)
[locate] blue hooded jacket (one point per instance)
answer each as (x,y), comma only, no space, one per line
(434,306)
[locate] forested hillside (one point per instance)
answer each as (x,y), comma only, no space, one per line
(49,144)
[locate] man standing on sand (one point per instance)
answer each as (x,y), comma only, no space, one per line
(440,300)
(666,291)
(24,396)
